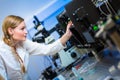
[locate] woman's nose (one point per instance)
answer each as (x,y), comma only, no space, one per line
(25,31)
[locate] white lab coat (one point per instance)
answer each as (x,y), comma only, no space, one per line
(10,68)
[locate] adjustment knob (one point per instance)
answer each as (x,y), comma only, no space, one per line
(73,55)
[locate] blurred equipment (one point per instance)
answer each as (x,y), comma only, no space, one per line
(90,18)
(111,27)
(107,7)
(87,16)
(59,77)
(39,27)
(49,74)
(63,20)
(46,37)
(84,16)
(71,55)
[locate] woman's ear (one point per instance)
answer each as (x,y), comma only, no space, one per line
(10,31)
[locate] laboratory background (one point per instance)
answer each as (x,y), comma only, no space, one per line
(93,51)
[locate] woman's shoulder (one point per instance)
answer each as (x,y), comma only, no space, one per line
(1,43)
(3,46)
(27,43)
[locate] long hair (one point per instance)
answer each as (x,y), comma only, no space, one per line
(12,21)
(1,78)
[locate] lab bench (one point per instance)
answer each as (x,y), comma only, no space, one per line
(91,69)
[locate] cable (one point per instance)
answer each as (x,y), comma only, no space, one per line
(111,7)
(102,11)
(108,7)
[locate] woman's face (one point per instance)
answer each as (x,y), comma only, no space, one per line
(20,32)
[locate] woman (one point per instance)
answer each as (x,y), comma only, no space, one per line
(15,48)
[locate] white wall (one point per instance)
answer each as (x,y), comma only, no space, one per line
(23,8)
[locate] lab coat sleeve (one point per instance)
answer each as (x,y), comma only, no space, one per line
(35,48)
(2,69)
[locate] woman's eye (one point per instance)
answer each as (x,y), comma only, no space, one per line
(22,28)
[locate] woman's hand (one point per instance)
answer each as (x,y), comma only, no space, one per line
(67,34)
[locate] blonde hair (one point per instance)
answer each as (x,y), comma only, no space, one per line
(12,21)
(1,78)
